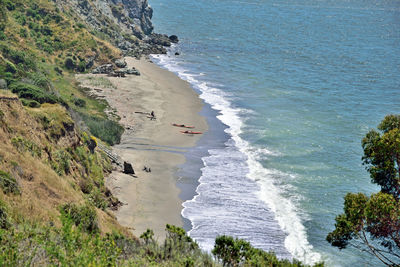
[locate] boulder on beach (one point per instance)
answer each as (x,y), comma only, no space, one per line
(120,63)
(159,39)
(174,39)
(128,169)
(133,71)
(130,71)
(117,73)
(103,69)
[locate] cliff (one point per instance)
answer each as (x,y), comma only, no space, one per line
(127,24)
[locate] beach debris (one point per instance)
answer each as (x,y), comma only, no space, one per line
(128,169)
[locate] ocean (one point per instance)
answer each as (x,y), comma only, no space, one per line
(290,88)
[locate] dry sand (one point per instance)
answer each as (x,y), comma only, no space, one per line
(151,199)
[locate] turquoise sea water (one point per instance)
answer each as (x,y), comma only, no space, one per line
(296,85)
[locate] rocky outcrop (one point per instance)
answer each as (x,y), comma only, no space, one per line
(103,69)
(130,16)
(126,22)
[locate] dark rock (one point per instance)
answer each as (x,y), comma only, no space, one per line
(125,45)
(159,39)
(128,169)
(177,54)
(92,145)
(174,39)
(133,71)
(103,69)
(120,63)
(3,84)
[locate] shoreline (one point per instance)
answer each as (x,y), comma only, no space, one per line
(151,199)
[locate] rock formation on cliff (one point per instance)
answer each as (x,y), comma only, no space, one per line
(127,23)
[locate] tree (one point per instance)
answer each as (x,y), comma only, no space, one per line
(372,224)
(234,252)
(231,251)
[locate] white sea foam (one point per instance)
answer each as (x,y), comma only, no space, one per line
(223,197)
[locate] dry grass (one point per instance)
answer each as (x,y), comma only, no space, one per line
(43,190)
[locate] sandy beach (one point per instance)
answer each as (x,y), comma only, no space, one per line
(151,199)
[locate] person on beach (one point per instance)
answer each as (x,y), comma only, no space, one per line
(153,117)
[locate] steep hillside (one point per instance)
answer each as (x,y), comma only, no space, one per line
(45,162)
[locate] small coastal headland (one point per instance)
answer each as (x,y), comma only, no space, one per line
(150,198)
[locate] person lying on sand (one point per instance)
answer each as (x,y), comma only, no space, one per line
(146,169)
(182,125)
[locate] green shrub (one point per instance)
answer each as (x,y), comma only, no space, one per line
(40,80)
(30,103)
(69,63)
(8,183)
(58,70)
(18,56)
(238,252)
(23,145)
(23,33)
(83,216)
(148,236)
(81,66)
(97,199)
(86,186)
(45,30)
(33,92)
(10,67)
(79,102)
(103,128)
(4,220)
(9,4)
(62,159)
(80,25)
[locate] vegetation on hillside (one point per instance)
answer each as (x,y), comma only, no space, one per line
(372,223)
(41,48)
